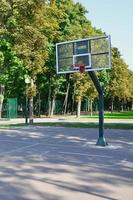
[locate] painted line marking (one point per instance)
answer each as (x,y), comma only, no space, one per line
(16,141)
(19,149)
(75,153)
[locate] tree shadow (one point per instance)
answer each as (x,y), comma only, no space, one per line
(55,163)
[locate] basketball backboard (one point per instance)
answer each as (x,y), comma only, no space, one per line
(91,53)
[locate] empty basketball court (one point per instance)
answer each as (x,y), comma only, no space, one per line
(52,163)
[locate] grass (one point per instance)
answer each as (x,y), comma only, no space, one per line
(114,115)
(72,124)
(88,125)
(80,124)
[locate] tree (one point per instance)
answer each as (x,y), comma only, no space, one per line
(73,22)
(30,25)
(74,25)
(91,95)
(12,72)
(131,88)
(119,79)
(82,84)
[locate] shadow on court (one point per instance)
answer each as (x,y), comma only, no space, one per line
(50,163)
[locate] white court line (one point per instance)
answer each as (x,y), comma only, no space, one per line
(84,154)
(25,142)
(76,153)
(54,146)
(19,149)
(13,141)
(65,145)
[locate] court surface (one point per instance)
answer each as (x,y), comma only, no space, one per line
(52,163)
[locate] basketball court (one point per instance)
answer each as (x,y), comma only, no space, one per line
(52,163)
(56,163)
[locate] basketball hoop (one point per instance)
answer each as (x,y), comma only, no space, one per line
(80,67)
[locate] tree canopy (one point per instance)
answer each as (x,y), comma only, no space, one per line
(29,30)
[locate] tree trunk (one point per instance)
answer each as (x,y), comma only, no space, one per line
(31,114)
(53,106)
(91,108)
(1,104)
(39,105)
(88,105)
(112,105)
(132,106)
(122,106)
(78,108)
(31,110)
(49,99)
(73,100)
(66,98)
(2,91)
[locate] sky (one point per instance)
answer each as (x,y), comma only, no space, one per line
(115,18)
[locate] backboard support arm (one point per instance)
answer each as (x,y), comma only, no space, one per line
(101,140)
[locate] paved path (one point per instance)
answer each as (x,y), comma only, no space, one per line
(56,163)
(64,119)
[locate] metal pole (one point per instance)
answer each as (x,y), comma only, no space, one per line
(26,110)
(101,140)
(101,115)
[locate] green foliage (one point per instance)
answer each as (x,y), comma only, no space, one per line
(28,23)
(131,84)
(74,25)
(29,30)
(82,85)
(12,70)
(104,78)
(119,78)
(73,22)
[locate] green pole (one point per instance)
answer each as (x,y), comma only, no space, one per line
(101,140)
